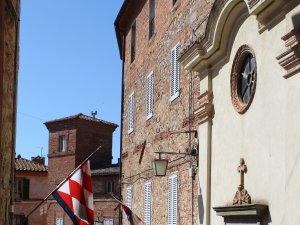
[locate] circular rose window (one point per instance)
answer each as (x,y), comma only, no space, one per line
(243,79)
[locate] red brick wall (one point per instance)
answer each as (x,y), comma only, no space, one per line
(173,24)
(59,168)
(100,185)
(82,138)
(55,211)
(89,139)
(38,217)
(105,209)
(70,134)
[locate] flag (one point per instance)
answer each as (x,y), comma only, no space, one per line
(75,196)
(132,219)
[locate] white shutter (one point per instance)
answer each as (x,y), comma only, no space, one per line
(129,197)
(59,221)
(131,113)
(147,203)
(108,222)
(172,200)
(149,107)
(175,73)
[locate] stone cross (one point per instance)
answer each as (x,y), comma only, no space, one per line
(242,196)
(242,169)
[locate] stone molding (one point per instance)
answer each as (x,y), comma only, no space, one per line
(249,210)
(59,154)
(290,58)
(211,47)
(244,214)
(203,112)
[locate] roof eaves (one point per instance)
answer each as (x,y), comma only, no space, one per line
(118,30)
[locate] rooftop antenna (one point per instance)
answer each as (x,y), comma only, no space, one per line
(41,148)
(94,114)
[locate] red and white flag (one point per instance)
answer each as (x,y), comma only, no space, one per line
(76,196)
(132,219)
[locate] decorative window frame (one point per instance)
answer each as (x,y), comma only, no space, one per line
(239,58)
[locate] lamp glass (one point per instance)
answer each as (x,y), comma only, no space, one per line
(160,167)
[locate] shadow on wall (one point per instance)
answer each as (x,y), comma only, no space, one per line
(201,208)
(296,21)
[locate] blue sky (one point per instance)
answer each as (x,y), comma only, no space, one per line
(69,64)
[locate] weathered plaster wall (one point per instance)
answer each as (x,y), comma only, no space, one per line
(37,191)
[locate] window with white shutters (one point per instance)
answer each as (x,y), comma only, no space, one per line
(175,73)
(129,197)
(147,203)
(149,107)
(59,221)
(108,222)
(131,113)
(173,200)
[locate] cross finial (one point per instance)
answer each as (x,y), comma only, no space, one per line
(242,196)
(242,168)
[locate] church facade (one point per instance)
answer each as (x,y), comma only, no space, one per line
(238,78)
(248,66)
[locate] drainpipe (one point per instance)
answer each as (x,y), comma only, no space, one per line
(121,126)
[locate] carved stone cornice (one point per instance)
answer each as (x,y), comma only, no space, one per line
(203,110)
(290,58)
(210,48)
(251,210)
(252,3)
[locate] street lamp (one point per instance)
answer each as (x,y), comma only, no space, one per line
(160,165)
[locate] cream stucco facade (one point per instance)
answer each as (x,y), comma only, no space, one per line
(267,135)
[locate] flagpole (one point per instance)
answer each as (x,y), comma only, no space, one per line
(61,183)
(116,199)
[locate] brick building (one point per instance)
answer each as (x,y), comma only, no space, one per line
(71,140)
(228,69)
(158,102)
(9,57)
(30,189)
